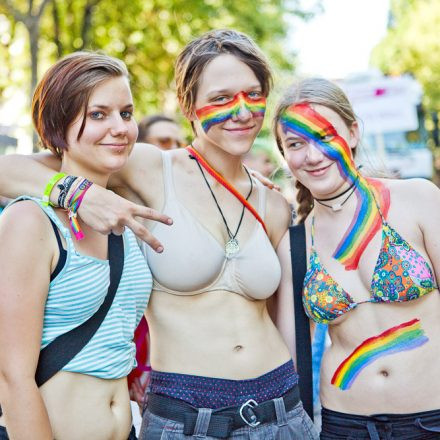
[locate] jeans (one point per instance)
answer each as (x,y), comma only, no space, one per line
(416,426)
(4,434)
(293,425)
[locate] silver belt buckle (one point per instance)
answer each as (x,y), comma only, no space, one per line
(250,404)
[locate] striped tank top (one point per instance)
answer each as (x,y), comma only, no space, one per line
(79,289)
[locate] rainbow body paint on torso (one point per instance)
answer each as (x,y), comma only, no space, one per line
(403,337)
(217,114)
(305,122)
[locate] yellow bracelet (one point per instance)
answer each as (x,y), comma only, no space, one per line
(52,182)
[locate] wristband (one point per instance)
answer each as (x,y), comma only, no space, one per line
(46,196)
(73,206)
(64,189)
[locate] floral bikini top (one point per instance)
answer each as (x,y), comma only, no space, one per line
(401,274)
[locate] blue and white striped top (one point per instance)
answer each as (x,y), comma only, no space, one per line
(76,294)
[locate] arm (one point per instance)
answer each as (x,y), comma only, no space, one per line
(427,198)
(26,260)
(284,306)
(101,209)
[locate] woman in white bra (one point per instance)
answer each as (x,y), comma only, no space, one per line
(213,342)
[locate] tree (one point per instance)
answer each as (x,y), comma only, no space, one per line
(412,46)
(147,35)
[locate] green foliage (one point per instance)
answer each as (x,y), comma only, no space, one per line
(148,35)
(412,45)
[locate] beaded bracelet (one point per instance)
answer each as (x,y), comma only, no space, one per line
(73,205)
(49,187)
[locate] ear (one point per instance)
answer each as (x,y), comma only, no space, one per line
(354,135)
(189,114)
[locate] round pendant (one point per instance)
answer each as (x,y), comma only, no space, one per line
(231,247)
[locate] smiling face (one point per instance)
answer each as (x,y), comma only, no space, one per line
(109,132)
(229,105)
(321,160)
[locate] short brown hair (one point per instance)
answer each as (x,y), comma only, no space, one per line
(64,91)
(198,53)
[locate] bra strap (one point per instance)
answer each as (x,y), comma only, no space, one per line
(168,181)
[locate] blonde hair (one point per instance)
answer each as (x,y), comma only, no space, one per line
(317,91)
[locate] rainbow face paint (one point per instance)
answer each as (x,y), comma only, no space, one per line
(217,114)
(403,337)
(303,121)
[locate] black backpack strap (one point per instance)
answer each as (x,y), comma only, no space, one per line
(298,255)
(65,347)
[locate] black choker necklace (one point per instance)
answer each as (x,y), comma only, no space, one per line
(338,206)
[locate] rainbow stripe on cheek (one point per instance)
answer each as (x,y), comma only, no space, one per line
(217,114)
(403,337)
(305,122)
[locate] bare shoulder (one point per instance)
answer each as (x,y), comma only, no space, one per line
(24,219)
(278,215)
(417,191)
(26,234)
(144,163)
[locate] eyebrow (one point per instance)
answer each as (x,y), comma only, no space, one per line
(106,107)
(229,91)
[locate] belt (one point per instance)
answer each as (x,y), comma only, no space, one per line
(224,420)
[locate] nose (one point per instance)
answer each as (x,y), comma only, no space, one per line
(243,113)
(119,126)
(314,154)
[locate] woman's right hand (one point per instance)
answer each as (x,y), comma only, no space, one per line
(106,212)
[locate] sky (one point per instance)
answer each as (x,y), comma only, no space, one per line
(338,41)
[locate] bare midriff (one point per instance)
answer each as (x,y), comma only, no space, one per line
(403,382)
(87,407)
(214,334)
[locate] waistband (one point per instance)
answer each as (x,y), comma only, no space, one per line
(210,392)
(405,426)
(224,420)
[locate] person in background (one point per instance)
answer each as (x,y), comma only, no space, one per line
(162,131)
(261,158)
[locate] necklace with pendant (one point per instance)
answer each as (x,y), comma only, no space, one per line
(338,206)
(232,246)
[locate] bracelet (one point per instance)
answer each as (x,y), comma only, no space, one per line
(46,195)
(64,189)
(73,205)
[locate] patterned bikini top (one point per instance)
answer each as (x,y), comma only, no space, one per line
(401,274)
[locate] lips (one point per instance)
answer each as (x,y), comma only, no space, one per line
(240,129)
(319,171)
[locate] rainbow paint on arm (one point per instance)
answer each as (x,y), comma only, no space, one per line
(210,115)
(305,122)
(403,337)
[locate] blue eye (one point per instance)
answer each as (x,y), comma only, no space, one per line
(96,115)
(255,95)
(327,138)
(126,115)
(295,145)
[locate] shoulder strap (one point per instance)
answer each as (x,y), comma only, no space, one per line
(65,347)
(302,327)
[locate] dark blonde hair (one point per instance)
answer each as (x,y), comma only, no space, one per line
(317,91)
(198,53)
(64,91)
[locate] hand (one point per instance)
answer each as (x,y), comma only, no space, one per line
(106,212)
(264,180)
(137,392)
